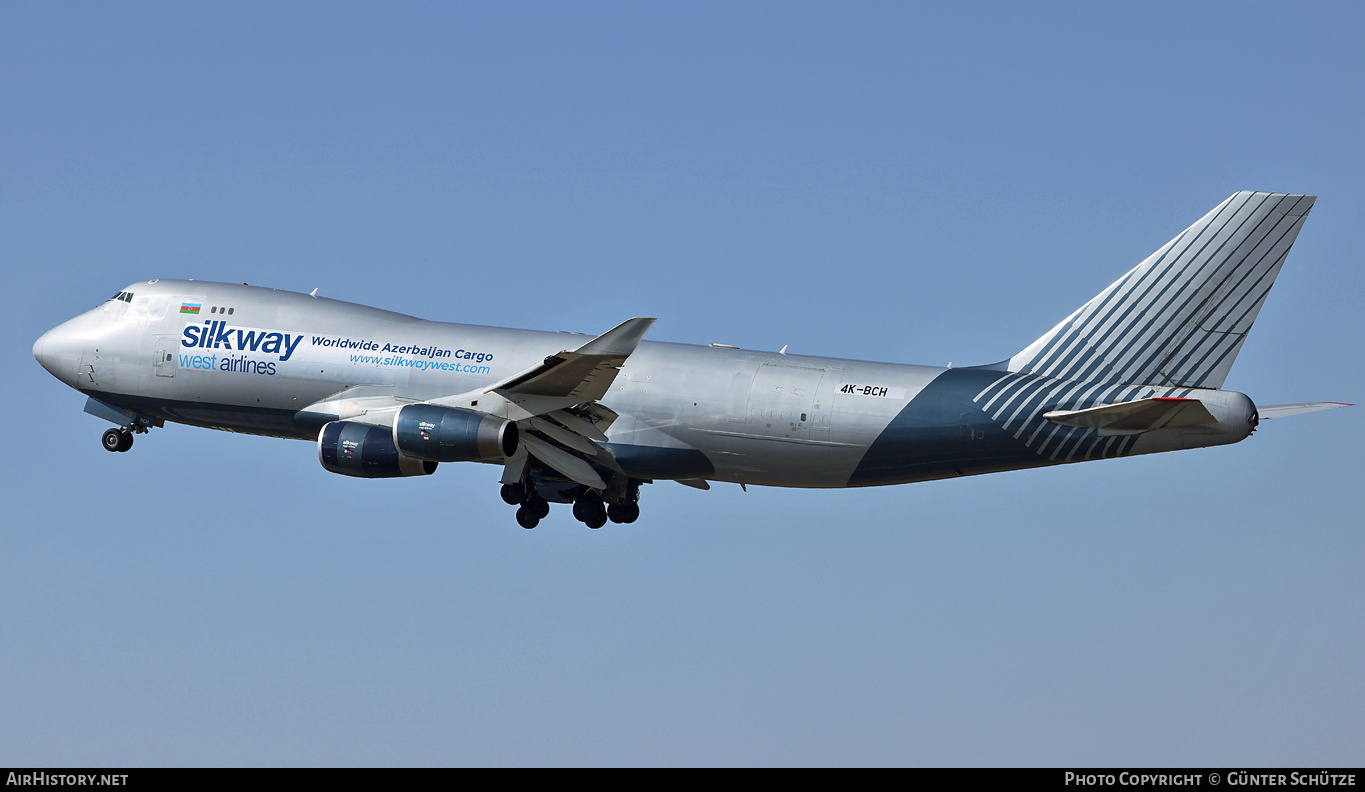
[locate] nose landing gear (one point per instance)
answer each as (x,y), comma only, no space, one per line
(117,439)
(129,422)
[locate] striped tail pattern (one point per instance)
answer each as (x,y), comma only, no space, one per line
(1181,316)
(1169,329)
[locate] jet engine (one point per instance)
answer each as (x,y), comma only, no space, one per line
(354,449)
(452,434)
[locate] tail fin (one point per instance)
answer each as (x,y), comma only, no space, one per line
(1180,317)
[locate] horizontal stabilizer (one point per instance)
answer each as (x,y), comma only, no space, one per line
(1136,417)
(1286,410)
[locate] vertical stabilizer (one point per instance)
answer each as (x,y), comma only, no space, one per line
(1179,318)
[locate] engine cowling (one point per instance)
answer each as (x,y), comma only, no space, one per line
(354,449)
(453,434)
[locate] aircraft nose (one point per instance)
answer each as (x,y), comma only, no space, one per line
(59,350)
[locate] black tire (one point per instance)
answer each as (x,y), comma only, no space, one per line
(630,512)
(527,518)
(587,507)
(126,441)
(593,510)
(112,440)
(513,494)
(538,506)
(615,513)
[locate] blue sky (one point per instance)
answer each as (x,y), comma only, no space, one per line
(899,182)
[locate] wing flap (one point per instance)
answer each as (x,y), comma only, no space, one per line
(563,436)
(578,425)
(571,466)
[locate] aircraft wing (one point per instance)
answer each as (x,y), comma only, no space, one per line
(584,373)
(553,403)
(1136,417)
(374,405)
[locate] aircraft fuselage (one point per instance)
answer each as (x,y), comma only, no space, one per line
(251,360)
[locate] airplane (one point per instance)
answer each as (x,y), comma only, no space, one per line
(1138,369)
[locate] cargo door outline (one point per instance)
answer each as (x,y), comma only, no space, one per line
(781,401)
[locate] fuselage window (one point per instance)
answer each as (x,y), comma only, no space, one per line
(230,310)
(215,309)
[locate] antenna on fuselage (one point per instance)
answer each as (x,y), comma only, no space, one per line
(313,293)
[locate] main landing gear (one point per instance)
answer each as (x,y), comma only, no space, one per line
(590,507)
(531,507)
(590,510)
(117,439)
(623,512)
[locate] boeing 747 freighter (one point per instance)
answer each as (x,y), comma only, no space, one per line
(1136,370)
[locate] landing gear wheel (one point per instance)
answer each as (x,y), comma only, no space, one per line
(513,494)
(116,440)
(526,518)
(590,511)
(538,506)
(630,512)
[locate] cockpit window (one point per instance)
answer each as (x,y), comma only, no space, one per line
(123,296)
